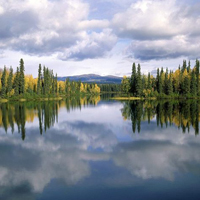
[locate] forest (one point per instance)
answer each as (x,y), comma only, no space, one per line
(18,85)
(183,83)
(110,88)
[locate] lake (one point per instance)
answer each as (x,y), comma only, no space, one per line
(92,149)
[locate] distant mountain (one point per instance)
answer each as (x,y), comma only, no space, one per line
(93,78)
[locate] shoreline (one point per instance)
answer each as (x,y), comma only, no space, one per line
(50,98)
(154,98)
(30,99)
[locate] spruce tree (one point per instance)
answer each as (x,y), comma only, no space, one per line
(138,82)
(158,80)
(3,83)
(188,67)
(193,85)
(166,82)
(133,80)
(16,82)
(48,81)
(21,77)
(10,77)
(170,85)
(39,80)
(56,84)
(186,86)
(184,66)
(53,84)
(149,86)
(161,81)
(197,77)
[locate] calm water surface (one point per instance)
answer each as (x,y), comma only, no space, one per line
(98,150)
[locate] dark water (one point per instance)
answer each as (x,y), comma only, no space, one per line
(95,150)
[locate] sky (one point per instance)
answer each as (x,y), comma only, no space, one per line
(103,37)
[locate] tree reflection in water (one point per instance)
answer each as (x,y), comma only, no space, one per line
(183,114)
(46,111)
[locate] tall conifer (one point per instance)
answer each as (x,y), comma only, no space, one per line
(21,77)
(10,77)
(3,83)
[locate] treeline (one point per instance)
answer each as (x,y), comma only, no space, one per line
(109,88)
(184,82)
(183,114)
(46,84)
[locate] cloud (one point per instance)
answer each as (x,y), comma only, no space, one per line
(54,29)
(2,54)
(179,46)
(160,29)
(94,24)
(147,20)
(50,27)
(94,45)
(14,23)
(79,30)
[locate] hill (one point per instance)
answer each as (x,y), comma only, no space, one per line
(93,78)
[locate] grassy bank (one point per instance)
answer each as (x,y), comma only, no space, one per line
(30,99)
(23,98)
(127,98)
(121,98)
(132,98)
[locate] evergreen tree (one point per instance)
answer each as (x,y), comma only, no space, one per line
(166,82)
(186,86)
(197,77)
(144,82)
(53,84)
(149,86)
(3,83)
(56,84)
(21,77)
(188,67)
(16,82)
(184,67)
(44,80)
(158,80)
(161,81)
(47,83)
(133,80)
(193,84)
(10,77)
(39,80)
(138,82)
(170,85)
